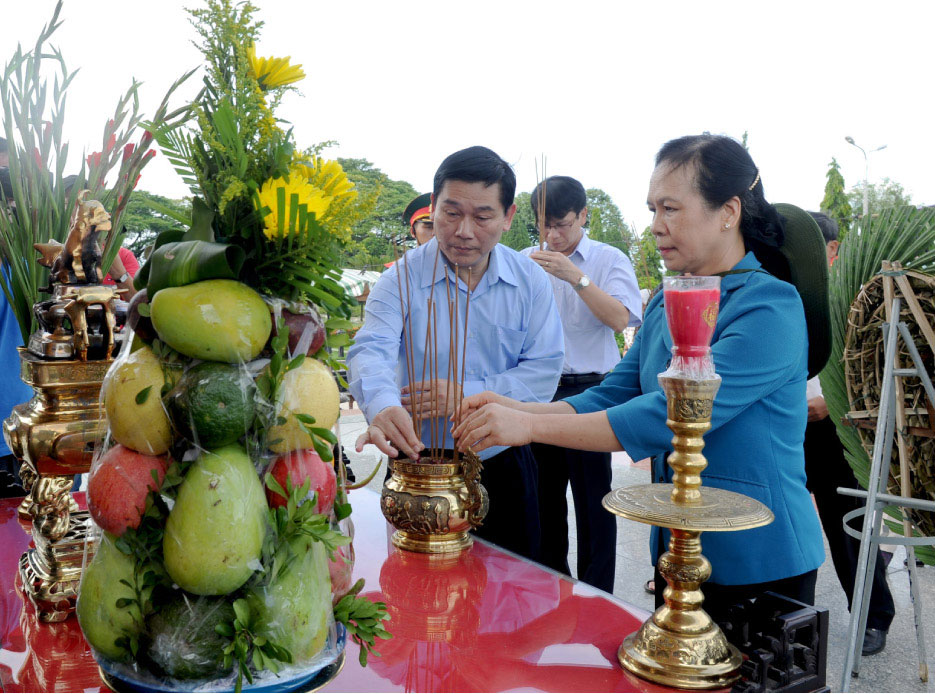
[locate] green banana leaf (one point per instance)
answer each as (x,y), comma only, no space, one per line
(899,234)
(185,262)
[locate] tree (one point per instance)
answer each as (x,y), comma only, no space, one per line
(835,204)
(522,232)
(884,194)
(605,223)
(647,261)
(373,236)
(144,218)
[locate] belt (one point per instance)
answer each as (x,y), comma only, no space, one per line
(581,379)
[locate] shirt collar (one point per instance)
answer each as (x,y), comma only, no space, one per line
(584,245)
(497,268)
(738,279)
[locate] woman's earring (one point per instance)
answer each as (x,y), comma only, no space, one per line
(727,226)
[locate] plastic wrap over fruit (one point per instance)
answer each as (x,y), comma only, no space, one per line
(216,422)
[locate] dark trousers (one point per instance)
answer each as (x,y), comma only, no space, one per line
(512,522)
(718,599)
(10,485)
(827,469)
(589,474)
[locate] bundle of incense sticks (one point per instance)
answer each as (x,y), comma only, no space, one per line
(437,430)
(540,202)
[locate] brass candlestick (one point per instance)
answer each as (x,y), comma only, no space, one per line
(680,645)
(434,503)
(54,434)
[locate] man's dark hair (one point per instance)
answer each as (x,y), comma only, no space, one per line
(563,194)
(477,165)
(829,227)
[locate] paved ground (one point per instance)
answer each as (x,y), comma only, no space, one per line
(896,669)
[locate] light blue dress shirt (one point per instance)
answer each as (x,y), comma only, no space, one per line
(590,346)
(514,335)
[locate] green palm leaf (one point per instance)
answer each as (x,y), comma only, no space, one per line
(899,234)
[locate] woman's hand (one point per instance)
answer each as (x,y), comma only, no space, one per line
(493,425)
(488,397)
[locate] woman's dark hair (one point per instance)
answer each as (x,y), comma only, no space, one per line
(477,165)
(724,169)
(563,194)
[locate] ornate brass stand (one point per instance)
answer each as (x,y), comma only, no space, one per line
(433,504)
(680,645)
(53,435)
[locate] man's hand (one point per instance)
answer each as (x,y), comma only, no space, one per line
(817,409)
(392,425)
(434,398)
(558,265)
(493,425)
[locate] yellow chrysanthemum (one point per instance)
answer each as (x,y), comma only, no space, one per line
(309,199)
(273,72)
(328,175)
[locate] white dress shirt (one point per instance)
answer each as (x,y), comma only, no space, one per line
(590,346)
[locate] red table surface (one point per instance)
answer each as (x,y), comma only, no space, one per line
(483,621)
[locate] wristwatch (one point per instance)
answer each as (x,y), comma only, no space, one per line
(582,283)
(123,278)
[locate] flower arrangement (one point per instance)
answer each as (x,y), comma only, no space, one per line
(225,553)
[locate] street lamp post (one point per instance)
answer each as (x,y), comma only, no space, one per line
(850,140)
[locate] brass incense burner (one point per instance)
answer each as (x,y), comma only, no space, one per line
(680,646)
(434,502)
(54,434)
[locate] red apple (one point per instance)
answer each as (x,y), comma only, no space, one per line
(298,466)
(118,487)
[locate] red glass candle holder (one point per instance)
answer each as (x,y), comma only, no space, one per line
(691,311)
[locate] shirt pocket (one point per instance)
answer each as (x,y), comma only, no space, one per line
(500,346)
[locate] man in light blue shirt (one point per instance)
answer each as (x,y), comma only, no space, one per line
(513,338)
(597,295)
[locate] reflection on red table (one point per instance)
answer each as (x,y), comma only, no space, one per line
(480,621)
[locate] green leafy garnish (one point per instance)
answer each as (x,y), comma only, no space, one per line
(363,619)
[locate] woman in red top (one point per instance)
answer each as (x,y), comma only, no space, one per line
(122,271)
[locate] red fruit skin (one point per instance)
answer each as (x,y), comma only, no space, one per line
(118,487)
(296,322)
(341,568)
(299,466)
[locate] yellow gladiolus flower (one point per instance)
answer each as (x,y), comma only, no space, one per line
(309,199)
(271,73)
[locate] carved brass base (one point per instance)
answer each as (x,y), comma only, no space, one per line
(51,572)
(699,661)
(432,544)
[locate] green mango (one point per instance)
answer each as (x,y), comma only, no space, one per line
(294,610)
(216,320)
(98,615)
(216,528)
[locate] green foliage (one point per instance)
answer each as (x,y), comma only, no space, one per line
(835,204)
(246,646)
(605,223)
(899,234)
(881,195)
(647,261)
(363,619)
(145,218)
(40,200)
(522,232)
(384,201)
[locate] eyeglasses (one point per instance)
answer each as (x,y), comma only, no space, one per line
(560,226)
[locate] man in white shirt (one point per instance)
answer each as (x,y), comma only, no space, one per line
(597,295)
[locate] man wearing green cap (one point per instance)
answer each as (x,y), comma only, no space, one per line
(418,216)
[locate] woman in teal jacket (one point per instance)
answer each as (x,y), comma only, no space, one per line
(709,217)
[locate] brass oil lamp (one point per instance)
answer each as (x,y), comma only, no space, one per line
(53,435)
(680,645)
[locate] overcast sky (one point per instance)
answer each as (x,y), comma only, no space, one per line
(595,86)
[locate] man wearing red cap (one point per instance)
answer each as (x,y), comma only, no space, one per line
(418,216)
